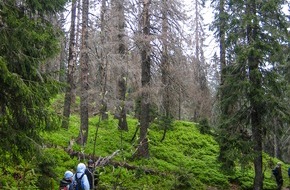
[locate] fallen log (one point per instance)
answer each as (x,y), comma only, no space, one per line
(103,161)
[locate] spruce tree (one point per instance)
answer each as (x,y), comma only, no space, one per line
(27,41)
(252,86)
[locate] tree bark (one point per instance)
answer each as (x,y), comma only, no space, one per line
(165,69)
(62,57)
(103,64)
(143,148)
(70,70)
(164,60)
(122,124)
(255,95)
(84,64)
(122,81)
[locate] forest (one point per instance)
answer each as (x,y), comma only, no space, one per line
(161,94)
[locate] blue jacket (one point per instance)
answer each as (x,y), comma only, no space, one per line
(80,171)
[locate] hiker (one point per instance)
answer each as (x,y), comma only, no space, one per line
(80,178)
(67,182)
(288,177)
(92,174)
(277,172)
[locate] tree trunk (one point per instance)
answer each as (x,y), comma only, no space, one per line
(121,107)
(165,69)
(84,63)
(121,50)
(70,70)
(143,148)
(76,75)
(103,64)
(62,58)
(164,60)
(255,95)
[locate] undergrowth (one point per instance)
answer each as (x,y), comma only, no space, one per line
(185,159)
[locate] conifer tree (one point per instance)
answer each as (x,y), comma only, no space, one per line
(254,41)
(27,40)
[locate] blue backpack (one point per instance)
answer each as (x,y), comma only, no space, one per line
(275,171)
(78,182)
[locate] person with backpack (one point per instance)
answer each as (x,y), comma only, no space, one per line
(81,181)
(92,174)
(277,172)
(67,182)
(288,177)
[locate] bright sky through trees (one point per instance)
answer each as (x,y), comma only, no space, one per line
(207,15)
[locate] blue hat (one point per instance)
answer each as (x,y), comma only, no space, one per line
(90,161)
(68,174)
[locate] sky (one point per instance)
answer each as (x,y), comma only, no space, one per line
(208,17)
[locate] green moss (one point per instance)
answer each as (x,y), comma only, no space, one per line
(185,159)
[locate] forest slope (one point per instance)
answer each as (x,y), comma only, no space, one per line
(186,159)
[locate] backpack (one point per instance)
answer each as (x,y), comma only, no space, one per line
(64,185)
(78,182)
(63,188)
(275,171)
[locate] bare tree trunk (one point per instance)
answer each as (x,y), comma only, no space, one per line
(103,64)
(62,58)
(84,63)
(70,70)
(77,51)
(197,37)
(196,114)
(123,125)
(164,60)
(119,16)
(179,102)
(165,69)
(143,148)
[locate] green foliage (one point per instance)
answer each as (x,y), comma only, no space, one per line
(186,180)
(251,80)
(52,166)
(58,102)
(203,126)
(186,159)
(184,146)
(153,112)
(27,41)
(22,176)
(165,122)
(46,6)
